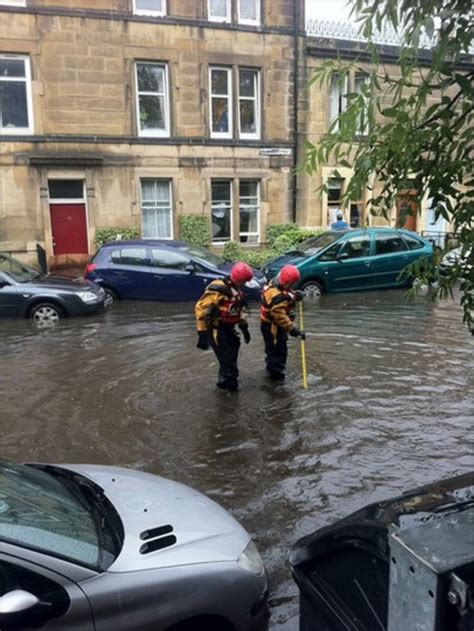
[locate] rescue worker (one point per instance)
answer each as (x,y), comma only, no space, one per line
(277,315)
(217,311)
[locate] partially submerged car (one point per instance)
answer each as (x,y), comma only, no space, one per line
(404,563)
(353,260)
(457,260)
(26,293)
(100,548)
(144,269)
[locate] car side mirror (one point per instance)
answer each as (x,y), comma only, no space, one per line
(190,267)
(17,601)
(343,256)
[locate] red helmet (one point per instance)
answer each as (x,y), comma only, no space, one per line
(289,275)
(241,273)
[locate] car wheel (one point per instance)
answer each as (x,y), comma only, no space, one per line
(312,288)
(46,313)
(110,297)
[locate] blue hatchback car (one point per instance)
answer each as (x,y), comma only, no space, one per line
(160,270)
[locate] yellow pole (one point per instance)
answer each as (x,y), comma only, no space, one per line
(303,350)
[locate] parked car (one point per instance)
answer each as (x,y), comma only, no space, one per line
(26,293)
(456,260)
(99,548)
(350,260)
(160,270)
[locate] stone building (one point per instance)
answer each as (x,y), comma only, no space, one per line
(132,112)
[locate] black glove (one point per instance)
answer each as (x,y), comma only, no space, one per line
(203,341)
(245,332)
(298,294)
(295,332)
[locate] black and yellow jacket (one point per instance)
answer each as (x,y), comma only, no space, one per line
(221,303)
(278,306)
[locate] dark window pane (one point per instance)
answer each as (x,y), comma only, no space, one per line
(150,78)
(66,189)
(220,115)
(247,83)
(221,191)
(168,258)
(115,257)
(247,117)
(133,256)
(13,105)
(355,215)
(357,247)
(219,81)
(388,243)
(334,189)
(248,188)
(12,68)
(220,224)
(152,112)
(330,254)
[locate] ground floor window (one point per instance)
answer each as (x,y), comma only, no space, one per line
(156,209)
(241,216)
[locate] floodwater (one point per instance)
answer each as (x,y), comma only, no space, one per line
(389,406)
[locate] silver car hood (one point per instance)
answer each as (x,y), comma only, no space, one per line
(204,531)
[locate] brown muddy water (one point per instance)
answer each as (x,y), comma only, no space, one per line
(389,406)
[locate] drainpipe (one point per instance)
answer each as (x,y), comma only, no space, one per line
(296,19)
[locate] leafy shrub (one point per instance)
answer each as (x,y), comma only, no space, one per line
(283,243)
(232,252)
(104,235)
(277,229)
(258,258)
(195,229)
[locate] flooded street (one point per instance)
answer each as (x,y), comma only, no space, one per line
(389,405)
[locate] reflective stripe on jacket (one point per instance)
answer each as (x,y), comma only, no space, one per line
(278,306)
(221,303)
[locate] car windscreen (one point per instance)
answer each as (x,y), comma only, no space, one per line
(50,514)
(20,272)
(197,252)
(313,245)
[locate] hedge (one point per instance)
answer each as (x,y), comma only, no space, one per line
(195,229)
(103,235)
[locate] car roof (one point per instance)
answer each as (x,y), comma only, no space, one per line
(144,242)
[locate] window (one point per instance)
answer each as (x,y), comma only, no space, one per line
(330,254)
(219,10)
(13,3)
(149,7)
(337,101)
(15,95)
(357,247)
(249,115)
(248,12)
(221,194)
(129,256)
(412,242)
(361,80)
(168,258)
(66,189)
(152,99)
(249,211)
(335,188)
(156,209)
(221,103)
(388,243)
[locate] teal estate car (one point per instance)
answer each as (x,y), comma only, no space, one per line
(353,260)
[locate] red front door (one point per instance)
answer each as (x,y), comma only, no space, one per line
(69,228)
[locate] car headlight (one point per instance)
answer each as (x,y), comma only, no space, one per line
(252,284)
(250,560)
(87,296)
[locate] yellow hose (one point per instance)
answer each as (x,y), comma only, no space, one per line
(303,350)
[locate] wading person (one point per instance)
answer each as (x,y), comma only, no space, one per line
(277,315)
(218,310)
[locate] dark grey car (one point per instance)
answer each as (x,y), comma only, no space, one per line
(26,293)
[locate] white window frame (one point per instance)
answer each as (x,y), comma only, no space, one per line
(341,100)
(229,96)
(255,22)
(361,79)
(29,98)
(170,189)
(228,17)
(153,133)
(251,234)
(150,11)
(231,210)
(13,3)
(256,135)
